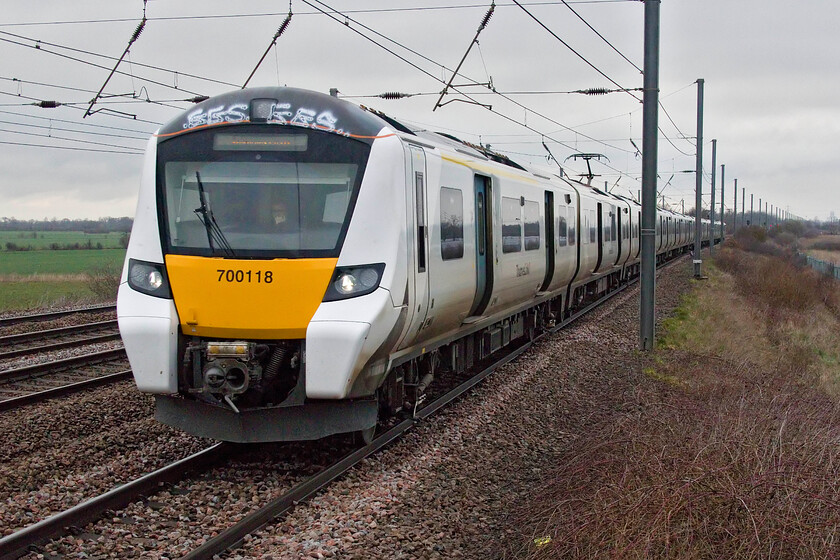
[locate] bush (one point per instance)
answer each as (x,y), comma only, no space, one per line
(786,239)
(782,282)
(827,245)
(104,281)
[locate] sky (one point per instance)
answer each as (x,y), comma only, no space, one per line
(770,74)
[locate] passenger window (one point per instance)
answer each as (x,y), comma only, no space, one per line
(593,227)
(451,223)
(572,230)
(562,227)
(511,225)
(532,225)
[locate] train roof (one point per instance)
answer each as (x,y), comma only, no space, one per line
(279,105)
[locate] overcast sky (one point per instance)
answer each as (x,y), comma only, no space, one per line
(770,69)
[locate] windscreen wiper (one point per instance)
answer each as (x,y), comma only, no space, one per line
(205,214)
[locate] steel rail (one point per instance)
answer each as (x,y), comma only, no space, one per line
(59,345)
(6,321)
(17,544)
(41,396)
(8,340)
(38,370)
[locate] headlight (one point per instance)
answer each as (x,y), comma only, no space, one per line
(354,281)
(148,278)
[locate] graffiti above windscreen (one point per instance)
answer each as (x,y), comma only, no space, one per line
(280,113)
(283,106)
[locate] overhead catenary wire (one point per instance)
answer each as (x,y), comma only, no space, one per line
(621,54)
(74,148)
(91,142)
(40,44)
(40,48)
(133,96)
(275,14)
(329,11)
(52,104)
(424,71)
(393,95)
(584,59)
(75,131)
(507,93)
(568,46)
(84,124)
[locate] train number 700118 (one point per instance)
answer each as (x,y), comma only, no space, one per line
(247,276)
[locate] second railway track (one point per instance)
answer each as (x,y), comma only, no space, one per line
(38,382)
(23,344)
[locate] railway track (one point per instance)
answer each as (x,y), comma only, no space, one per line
(17,345)
(39,317)
(36,535)
(39,382)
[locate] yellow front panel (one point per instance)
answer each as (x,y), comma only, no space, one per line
(248,299)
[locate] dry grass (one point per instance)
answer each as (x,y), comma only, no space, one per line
(104,281)
(43,277)
(732,448)
(827,256)
(823,242)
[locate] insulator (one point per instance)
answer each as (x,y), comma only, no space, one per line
(47,104)
(137,31)
(198,99)
(283,26)
(487,17)
(596,91)
(393,95)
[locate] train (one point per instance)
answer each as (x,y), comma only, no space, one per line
(300,266)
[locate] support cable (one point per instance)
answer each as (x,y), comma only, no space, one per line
(73,148)
(481,27)
(330,12)
(91,142)
(41,43)
(279,32)
(134,37)
(621,54)
(583,58)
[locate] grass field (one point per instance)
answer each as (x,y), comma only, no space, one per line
(43,239)
(32,279)
(25,263)
(17,295)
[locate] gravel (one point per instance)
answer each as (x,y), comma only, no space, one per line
(443,491)
(59,453)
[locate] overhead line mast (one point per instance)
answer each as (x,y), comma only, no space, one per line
(650,146)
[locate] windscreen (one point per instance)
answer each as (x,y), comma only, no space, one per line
(259,191)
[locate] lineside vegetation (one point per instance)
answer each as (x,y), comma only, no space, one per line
(734,450)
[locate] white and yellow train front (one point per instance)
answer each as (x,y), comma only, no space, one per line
(260,274)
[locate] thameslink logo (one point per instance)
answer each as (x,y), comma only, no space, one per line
(280,113)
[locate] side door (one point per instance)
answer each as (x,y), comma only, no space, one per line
(550,248)
(483,245)
(417,196)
